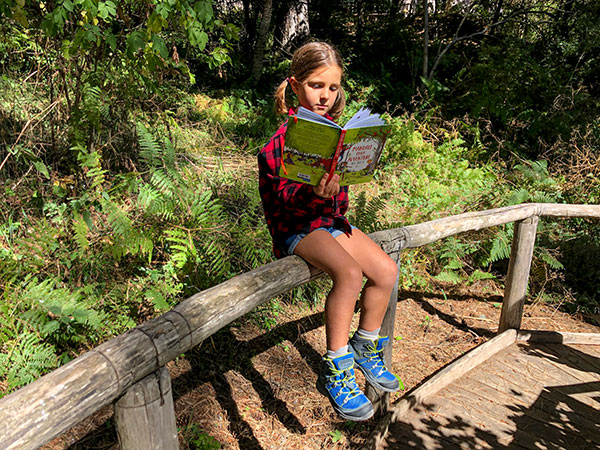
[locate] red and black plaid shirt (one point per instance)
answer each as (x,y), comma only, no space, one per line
(291,207)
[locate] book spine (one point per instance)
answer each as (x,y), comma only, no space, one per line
(336,155)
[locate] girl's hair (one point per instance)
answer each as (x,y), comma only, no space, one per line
(305,60)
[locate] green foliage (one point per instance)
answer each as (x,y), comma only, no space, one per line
(124,192)
(41,325)
(365,214)
(198,440)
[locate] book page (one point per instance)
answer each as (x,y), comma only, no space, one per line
(362,151)
(308,149)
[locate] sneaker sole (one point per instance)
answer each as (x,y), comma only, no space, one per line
(373,382)
(346,415)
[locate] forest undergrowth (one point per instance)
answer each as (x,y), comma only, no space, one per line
(86,256)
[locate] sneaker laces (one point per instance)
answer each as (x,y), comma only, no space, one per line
(374,356)
(347,380)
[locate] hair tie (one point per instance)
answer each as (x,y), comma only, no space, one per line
(287,79)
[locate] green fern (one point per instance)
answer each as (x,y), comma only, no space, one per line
(182,248)
(51,308)
(26,359)
(551,261)
(365,213)
(80,233)
(501,246)
(449,276)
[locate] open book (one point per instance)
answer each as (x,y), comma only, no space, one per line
(315,145)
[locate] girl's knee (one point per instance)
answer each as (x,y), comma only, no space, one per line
(349,278)
(386,273)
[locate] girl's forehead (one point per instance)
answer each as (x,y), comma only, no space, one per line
(330,72)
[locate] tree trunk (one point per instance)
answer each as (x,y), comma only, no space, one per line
(296,27)
(425,38)
(261,41)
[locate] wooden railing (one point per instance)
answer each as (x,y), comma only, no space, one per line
(130,372)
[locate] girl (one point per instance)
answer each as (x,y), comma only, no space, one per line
(309,221)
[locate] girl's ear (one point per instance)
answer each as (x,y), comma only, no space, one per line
(294,84)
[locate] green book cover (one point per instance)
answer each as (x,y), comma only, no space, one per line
(315,145)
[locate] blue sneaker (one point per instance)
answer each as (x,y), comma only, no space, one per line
(337,382)
(369,358)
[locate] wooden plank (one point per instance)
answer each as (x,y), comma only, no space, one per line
(531,366)
(557,394)
(574,364)
(578,357)
(593,350)
(402,435)
(440,380)
(565,421)
(534,370)
(560,210)
(518,274)
(462,365)
(504,422)
(548,360)
(546,400)
(145,416)
(413,236)
(456,423)
(424,430)
(558,337)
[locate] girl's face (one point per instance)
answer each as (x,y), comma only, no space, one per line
(319,91)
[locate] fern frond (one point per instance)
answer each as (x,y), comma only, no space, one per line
(147,195)
(117,219)
(182,247)
(80,232)
(151,150)
(552,262)
(161,181)
(27,360)
(501,246)
(449,276)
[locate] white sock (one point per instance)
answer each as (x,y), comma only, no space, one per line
(339,352)
(370,335)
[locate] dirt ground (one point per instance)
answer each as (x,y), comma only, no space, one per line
(250,388)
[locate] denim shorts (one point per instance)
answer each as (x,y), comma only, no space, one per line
(289,245)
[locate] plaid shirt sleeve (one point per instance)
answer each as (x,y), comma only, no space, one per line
(291,207)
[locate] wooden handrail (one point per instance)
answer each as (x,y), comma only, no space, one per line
(44,409)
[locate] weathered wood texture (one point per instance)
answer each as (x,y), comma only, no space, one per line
(558,337)
(397,239)
(525,396)
(145,416)
(381,399)
(518,274)
(440,380)
(49,406)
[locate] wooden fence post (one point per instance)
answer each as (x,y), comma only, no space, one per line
(518,273)
(380,399)
(144,415)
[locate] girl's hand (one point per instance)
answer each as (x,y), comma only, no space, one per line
(327,190)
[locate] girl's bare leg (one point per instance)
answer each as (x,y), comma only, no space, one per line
(322,250)
(346,259)
(380,271)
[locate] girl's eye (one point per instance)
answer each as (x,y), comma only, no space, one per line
(333,88)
